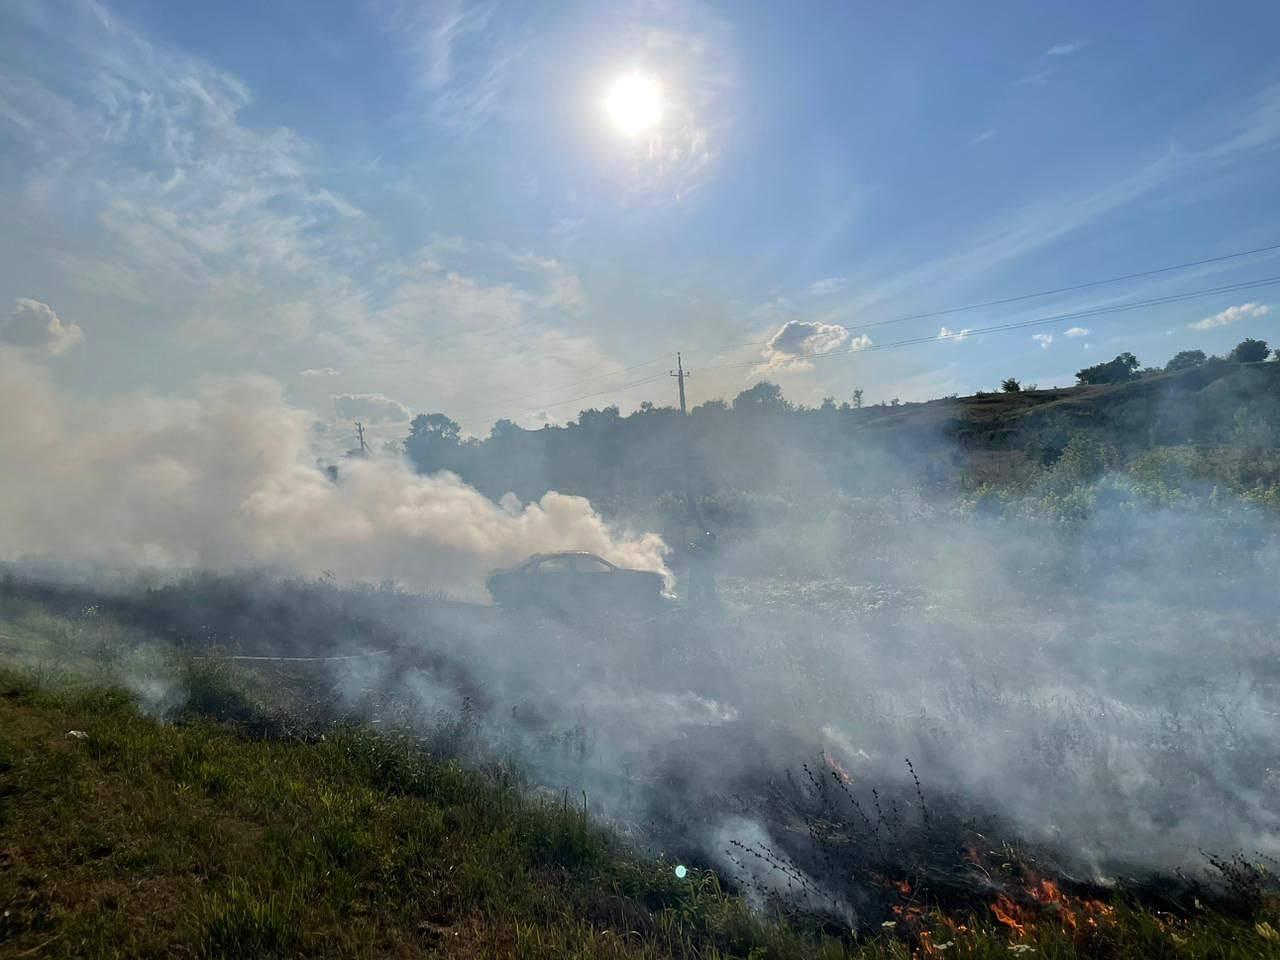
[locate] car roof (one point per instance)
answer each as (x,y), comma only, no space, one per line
(539,557)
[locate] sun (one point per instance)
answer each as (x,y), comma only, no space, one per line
(634,104)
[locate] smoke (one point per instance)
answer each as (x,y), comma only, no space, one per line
(226,479)
(1106,688)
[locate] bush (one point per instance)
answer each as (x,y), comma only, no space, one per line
(1010,385)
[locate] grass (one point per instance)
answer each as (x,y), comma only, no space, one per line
(215,835)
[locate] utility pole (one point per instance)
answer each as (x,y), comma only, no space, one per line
(364,448)
(680,373)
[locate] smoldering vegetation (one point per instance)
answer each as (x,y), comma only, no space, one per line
(1104,698)
(904,680)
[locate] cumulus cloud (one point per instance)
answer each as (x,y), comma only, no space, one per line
(1044,339)
(797,339)
(953,335)
(226,478)
(1077,332)
(314,373)
(1224,318)
(373,407)
(36,326)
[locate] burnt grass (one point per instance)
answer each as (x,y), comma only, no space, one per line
(248,824)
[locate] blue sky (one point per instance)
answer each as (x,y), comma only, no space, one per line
(423,206)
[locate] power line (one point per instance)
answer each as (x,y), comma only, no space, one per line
(566,386)
(1072,288)
(948,311)
(1018,324)
(931,338)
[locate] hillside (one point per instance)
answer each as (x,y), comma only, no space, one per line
(236,830)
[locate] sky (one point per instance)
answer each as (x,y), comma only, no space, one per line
(403,207)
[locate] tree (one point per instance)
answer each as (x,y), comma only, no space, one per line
(857,398)
(764,396)
(1185,360)
(1113,371)
(435,426)
(433,442)
(503,428)
(1249,351)
(1010,385)
(600,420)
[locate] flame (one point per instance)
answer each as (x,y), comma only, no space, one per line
(838,770)
(1007,912)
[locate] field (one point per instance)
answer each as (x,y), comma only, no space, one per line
(208,808)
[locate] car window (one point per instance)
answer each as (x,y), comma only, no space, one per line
(591,565)
(553,565)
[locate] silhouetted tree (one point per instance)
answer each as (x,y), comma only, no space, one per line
(1113,371)
(763,397)
(1185,360)
(857,398)
(433,442)
(1249,351)
(1010,385)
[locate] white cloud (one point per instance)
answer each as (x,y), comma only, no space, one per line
(1044,339)
(202,224)
(797,339)
(984,136)
(826,286)
(1224,318)
(1077,332)
(860,342)
(373,407)
(1063,49)
(953,335)
(35,326)
(314,373)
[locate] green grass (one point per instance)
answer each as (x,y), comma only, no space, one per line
(203,837)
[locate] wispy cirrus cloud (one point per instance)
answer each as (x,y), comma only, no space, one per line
(217,239)
(1063,49)
(462,55)
(826,286)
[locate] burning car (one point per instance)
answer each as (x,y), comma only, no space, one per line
(577,581)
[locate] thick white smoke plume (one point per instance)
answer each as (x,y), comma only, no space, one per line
(226,478)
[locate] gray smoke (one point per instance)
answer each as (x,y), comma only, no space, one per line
(1110,690)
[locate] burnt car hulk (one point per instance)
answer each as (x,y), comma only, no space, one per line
(577,581)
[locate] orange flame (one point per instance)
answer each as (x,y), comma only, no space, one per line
(1007,912)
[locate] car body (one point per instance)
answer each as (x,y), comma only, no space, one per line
(576,581)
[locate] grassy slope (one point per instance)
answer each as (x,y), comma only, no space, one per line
(199,839)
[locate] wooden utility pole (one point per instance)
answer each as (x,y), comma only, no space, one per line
(364,448)
(680,373)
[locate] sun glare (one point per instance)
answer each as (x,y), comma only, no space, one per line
(634,103)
